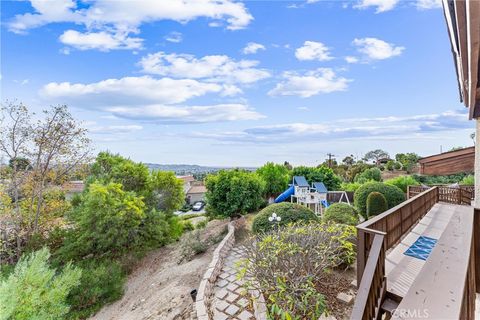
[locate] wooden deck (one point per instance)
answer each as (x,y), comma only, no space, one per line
(402,270)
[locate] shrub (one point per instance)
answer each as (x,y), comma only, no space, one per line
(319,174)
(102,282)
(187,225)
(276,177)
(370,174)
(341,213)
(393,195)
(468,180)
(350,186)
(289,213)
(192,244)
(402,182)
(202,224)
(36,291)
(232,193)
(376,204)
(290,266)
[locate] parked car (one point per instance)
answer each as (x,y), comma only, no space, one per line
(197,206)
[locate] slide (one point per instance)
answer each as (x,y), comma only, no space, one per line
(325,203)
(285,195)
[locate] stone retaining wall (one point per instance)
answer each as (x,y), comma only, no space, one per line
(205,290)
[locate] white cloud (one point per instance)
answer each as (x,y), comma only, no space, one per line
(103,41)
(376,49)
(312,50)
(129,90)
(174,37)
(187,114)
(125,17)
(429,4)
(253,47)
(213,68)
(381,5)
(350,59)
(323,80)
(356,128)
(22,82)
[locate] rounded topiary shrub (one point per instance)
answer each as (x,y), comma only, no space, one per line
(392,194)
(289,212)
(376,204)
(341,213)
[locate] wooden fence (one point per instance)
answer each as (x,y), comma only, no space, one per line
(460,195)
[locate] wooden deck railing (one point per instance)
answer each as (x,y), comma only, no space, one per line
(460,195)
(390,227)
(373,286)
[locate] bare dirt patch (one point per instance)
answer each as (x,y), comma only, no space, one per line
(159,287)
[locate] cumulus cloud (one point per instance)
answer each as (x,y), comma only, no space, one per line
(174,37)
(252,48)
(218,68)
(381,5)
(351,59)
(356,128)
(323,80)
(125,17)
(375,49)
(103,41)
(187,114)
(129,90)
(312,50)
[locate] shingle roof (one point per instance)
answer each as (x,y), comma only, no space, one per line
(197,189)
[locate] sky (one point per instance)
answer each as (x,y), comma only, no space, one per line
(239,83)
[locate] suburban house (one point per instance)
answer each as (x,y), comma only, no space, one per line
(187,182)
(73,187)
(451,162)
(196,192)
(421,259)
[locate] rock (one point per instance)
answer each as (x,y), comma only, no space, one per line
(345,298)
(353,283)
(324,317)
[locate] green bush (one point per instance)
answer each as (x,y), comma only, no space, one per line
(393,194)
(371,174)
(402,182)
(376,204)
(36,291)
(102,282)
(468,180)
(350,186)
(202,224)
(232,193)
(289,213)
(276,177)
(341,213)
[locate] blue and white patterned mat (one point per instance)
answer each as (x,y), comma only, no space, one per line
(421,248)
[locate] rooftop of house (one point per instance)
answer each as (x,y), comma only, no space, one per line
(197,189)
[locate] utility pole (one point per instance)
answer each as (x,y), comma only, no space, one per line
(330,156)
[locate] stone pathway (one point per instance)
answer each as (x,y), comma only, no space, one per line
(231,299)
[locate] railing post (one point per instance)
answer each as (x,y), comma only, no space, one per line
(408,192)
(476,245)
(361,255)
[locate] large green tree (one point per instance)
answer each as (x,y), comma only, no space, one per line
(234,192)
(276,177)
(165,192)
(319,174)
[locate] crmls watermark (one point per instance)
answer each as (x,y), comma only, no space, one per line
(411,313)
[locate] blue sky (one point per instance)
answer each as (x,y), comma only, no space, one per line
(239,83)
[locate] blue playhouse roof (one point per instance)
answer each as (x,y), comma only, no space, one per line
(300,181)
(320,187)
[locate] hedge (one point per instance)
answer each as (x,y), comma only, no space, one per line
(341,213)
(392,194)
(376,204)
(289,213)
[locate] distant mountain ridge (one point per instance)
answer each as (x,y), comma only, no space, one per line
(184,169)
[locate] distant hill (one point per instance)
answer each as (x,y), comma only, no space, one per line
(184,169)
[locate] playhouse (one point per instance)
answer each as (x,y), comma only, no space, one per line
(312,196)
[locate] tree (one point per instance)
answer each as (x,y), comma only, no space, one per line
(36,291)
(165,192)
(232,193)
(371,174)
(107,221)
(320,174)
(348,160)
(376,155)
(408,160)
(276,177)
